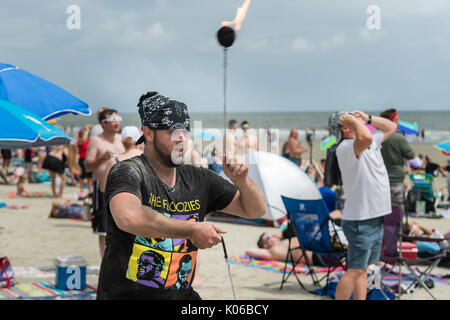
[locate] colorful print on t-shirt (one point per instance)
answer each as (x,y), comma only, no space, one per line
(165,263)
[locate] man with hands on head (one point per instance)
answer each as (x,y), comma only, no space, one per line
(156,204)
(366,188)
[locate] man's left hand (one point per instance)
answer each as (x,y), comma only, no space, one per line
(363,117)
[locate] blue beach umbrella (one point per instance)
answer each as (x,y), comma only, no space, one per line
(444,147)
(22,129)
(407,127)
(37,95)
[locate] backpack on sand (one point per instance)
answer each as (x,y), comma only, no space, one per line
(7,279)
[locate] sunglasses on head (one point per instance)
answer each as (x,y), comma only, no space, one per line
(112,119)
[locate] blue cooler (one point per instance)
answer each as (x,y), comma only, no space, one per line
(70,273)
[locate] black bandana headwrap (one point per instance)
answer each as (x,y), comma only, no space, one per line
(161,113)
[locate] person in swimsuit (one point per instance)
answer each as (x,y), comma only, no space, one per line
(85,177)
(55,162)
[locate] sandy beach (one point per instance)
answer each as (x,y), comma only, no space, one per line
(30,239)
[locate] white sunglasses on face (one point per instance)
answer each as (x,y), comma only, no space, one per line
(112,119)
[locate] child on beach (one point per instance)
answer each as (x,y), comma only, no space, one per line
(22,190)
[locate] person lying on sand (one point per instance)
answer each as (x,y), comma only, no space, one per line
(414,229)
(66,210)
(275,247)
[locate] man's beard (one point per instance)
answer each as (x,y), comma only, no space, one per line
(165,159)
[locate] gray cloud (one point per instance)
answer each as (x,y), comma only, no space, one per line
(289,55)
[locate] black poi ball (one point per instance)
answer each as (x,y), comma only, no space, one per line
(226,36)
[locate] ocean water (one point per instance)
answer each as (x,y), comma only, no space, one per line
(435,123)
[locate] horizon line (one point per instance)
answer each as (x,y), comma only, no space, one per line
(301,111)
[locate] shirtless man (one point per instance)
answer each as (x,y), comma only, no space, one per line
(294,148)
(101,155)
(231,146)
(275,246)
(248,141)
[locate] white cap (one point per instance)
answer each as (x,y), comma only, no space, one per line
(131,131)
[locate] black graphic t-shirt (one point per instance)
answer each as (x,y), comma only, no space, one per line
(135,267)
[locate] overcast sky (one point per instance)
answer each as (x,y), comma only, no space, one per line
(290,55)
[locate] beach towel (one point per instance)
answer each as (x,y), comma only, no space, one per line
(275,265)
(44,290)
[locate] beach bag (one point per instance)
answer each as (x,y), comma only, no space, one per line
(332,176)
(7,279)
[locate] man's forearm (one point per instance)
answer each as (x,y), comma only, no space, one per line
(252,199)
(361,131)
(383,124)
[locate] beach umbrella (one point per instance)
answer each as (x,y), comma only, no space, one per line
(19,128)
(408,128)
(327,142)
(37,95)
(444,147)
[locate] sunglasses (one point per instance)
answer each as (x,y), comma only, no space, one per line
(113,119)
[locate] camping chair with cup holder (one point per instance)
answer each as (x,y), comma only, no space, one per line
(407,256)
(310,219)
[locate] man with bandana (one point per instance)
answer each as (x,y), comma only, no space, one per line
(154,196)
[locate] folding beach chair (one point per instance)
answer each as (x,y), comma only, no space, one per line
(393,256)
(423,186)
(310,220)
